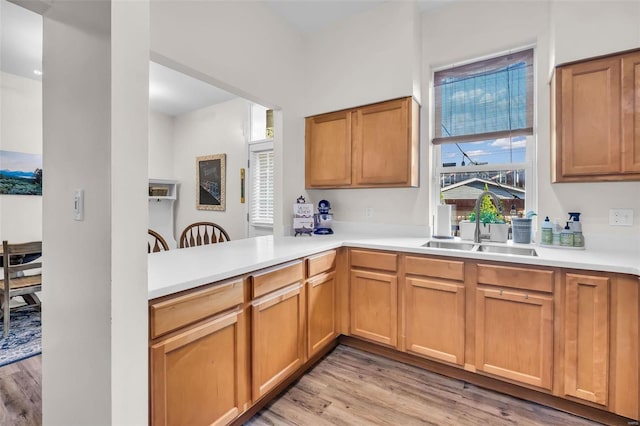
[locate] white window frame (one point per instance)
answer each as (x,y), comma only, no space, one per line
(256,147)
(529,166)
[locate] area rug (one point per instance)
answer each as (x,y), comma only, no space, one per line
(24,339)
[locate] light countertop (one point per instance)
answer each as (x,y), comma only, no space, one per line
(182,269)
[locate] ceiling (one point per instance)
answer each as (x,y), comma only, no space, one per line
(308,16)
(170,92)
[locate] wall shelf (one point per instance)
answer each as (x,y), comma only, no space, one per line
(161,216)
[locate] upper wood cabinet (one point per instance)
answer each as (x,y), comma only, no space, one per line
(328,150)
(597,120)
(370,146)
(631,113)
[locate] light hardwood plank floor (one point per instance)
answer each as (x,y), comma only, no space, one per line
(21,393)
(352,387)
(348,387)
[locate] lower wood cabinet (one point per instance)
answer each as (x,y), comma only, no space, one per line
(193,381)
(374,306)
(586,323)
(277,338)
(514,336)
(435,319)
(321,312)
(492,318)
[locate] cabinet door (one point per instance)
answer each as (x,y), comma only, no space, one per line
(588,121)
(514,336)
(374,307)
(586,323)
(384,148)
(631,113)
(328,150)
(195,375)
(321,312)
(277,336)
(435,319)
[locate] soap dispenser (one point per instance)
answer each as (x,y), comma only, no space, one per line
(576,228)
(547,232)
(566,236)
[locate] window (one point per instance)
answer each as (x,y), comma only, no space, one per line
(261,167)
(483,132)
(261,123)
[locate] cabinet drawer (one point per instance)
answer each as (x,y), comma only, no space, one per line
(320,263)
(177,312)
(522,278)
(276,278)
(447,269)
(374,260)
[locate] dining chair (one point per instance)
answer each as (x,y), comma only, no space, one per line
(201,233)
(156,243)
(19,279)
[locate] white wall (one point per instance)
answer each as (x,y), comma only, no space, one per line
(160,145)
(95,100)
(369,58)
(564,30)
(218,129)
(444,28)
(581,30)
(244,48)
(20,130)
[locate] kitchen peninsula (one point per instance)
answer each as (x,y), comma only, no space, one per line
(559,328)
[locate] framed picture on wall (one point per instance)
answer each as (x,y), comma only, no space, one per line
(20,173)
(211,171)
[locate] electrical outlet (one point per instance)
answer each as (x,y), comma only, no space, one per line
(621,217)
(368,212)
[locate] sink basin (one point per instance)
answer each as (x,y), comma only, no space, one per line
(521,251)
(449,245)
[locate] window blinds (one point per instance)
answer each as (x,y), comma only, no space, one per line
(262,188)
(485,100)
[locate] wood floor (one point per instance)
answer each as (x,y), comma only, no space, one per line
(348,387)
(351,387)
(21,393)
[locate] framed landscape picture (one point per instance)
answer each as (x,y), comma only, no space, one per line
(20,173)
(211,173)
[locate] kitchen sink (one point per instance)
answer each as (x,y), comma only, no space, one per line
(521,251)
(449,245)
(488,248)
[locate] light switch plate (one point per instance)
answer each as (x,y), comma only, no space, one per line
(621,217)
(78,204)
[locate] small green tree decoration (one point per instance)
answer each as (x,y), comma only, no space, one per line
(488,211)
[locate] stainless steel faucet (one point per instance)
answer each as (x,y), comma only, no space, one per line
(496,201)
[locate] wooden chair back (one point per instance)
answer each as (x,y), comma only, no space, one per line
(14,281)
(201,233)
(156,243)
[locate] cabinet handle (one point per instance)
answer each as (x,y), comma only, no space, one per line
(500,292)
(526,296)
